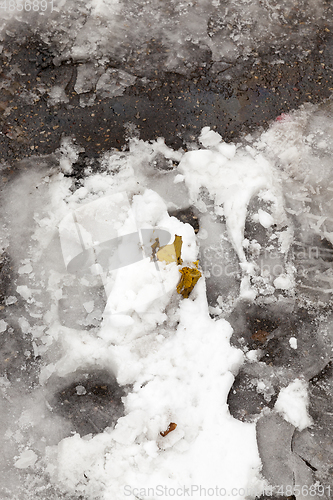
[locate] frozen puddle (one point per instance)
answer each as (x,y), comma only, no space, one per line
(115,385)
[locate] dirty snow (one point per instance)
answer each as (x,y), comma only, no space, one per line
(112,30)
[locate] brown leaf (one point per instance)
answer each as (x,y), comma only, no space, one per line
(170,428)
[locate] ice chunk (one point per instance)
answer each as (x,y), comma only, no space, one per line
(114,82)
(178,178)
(24,291)
(227,150)
(27,458)
(24,325)
(26,269)
(10,300)
(80,390)
(280,466)
(69,153)
(87,76)
(57,94)
(209,138)
(3,326)
(283,282)
(265,219)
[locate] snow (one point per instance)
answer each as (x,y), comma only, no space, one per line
(293,342)
(89,306)
(209,137)
(57,94)
(99,31)
(3,326)
(26,269)
(174,382)
(10,300)
(24,291)
(233,178)
(175,361)
(86,78)
(265,219)
(114,82)
(292,404)
(27,458)
(283,282)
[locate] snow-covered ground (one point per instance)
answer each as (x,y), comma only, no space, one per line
(170,354)
(92,301)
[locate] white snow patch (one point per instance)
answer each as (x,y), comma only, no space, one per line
(176,361)
(209,138)
(283,282)
(57,94)
(26,269)
(179,178)
(3,325)
(293,402)
(24,291)
(174,382)
(265,219)
(10,300)
(233,177)
(293,342)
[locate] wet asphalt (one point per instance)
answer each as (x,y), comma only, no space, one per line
(233,98)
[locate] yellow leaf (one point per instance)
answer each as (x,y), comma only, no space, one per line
(190,276)
(171,253)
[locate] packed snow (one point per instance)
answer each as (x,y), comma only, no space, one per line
(292,404)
